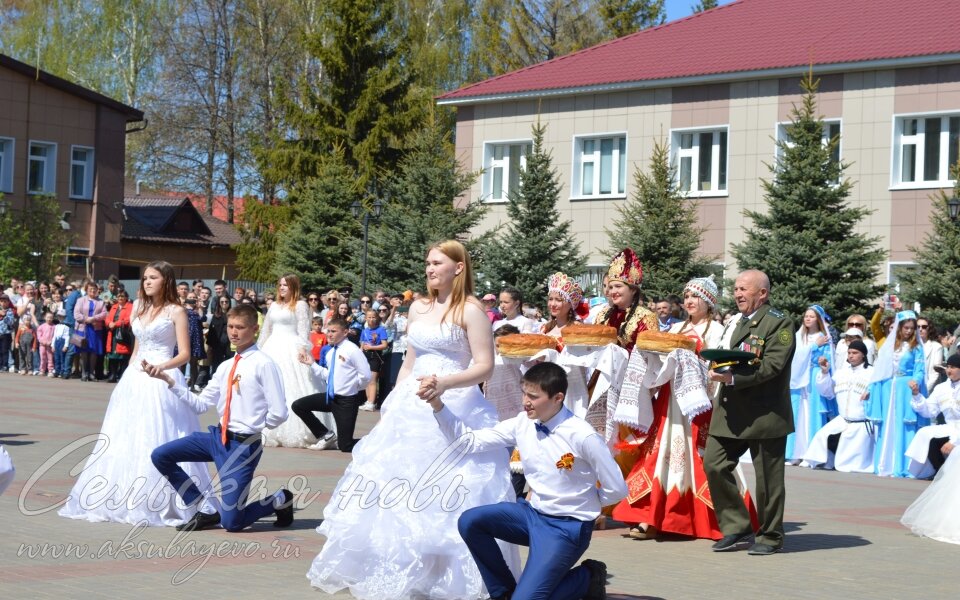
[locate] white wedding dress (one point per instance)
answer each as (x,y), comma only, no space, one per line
(119,482)
(283,334)
(934,513)
(391,524)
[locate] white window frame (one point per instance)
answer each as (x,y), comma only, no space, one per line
(677,154)
(890,268)
(88,167)
(8,148)
(49,170)
(490,164)
(781,135)
(618,168)
(917,140)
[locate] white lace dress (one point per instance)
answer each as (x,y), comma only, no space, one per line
(391,524)
(283,334)
(119,482)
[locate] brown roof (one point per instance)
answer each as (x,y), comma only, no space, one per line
(71,88)
(167,220)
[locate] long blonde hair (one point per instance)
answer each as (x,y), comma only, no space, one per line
(462,284)
(293,289)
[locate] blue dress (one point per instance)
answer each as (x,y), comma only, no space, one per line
(811,411)
(889,406)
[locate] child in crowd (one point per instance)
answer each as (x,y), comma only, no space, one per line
(373,341)
(27,342)
(318,339)
(61,343)
(45,334)
(563,459)
(8,317)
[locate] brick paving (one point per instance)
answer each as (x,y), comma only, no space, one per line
(844,539)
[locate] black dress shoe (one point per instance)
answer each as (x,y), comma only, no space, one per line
(598,579)
(285,512)
(761,549)
(200,521)
(729,542)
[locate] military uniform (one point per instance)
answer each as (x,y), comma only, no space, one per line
(753,413)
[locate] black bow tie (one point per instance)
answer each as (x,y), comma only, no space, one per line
(542,428)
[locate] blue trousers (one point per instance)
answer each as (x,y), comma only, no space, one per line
(235,464)
(58,356)
(556,543)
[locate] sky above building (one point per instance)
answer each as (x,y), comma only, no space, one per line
(677,9)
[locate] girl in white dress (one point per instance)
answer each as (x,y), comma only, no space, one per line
(391,524)
(284,337)
(119,482)
(934,513)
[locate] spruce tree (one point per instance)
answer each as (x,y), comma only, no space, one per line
(703,5)
(806,242)
(420,210)
(536,242)
(315,245)
(365,103)
(660,224)
(263,226)
(935,283)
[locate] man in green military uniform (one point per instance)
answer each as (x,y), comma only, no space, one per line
(753,412)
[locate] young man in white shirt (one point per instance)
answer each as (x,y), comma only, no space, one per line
(932,444)
(347,373)
(563,459)
(248,394)
(847,442)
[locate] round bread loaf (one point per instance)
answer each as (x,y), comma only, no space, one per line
(522,345)
(578,334)
(657,341)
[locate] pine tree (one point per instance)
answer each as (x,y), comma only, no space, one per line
(420,210)
(703,5)
(935,283)
(366,102)
(623,17)
(263,225)
(315,245)
(806,241)
(659,223)
(536,242)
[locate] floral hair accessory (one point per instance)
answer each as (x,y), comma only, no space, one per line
(569,290)
(625,267)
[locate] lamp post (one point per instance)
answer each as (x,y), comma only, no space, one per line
(953,205)
(374,213)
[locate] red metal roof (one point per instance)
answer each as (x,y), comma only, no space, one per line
(746,36)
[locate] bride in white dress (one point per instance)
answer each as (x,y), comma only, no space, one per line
(391,524)
(934,513)
(285,335)
(119,482)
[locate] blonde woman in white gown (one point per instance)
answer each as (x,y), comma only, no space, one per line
(391,524)
(284,336)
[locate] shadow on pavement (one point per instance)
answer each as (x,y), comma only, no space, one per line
(7,442)
(805,542)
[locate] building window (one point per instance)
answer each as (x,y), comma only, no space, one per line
(831,129)
(700,158)
(81,173)
(502,164)
(42,168)
(600,167)
(77,257)
(6,165)
(895,271)
(925,147)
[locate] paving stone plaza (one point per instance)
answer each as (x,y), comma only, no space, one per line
(844,539)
